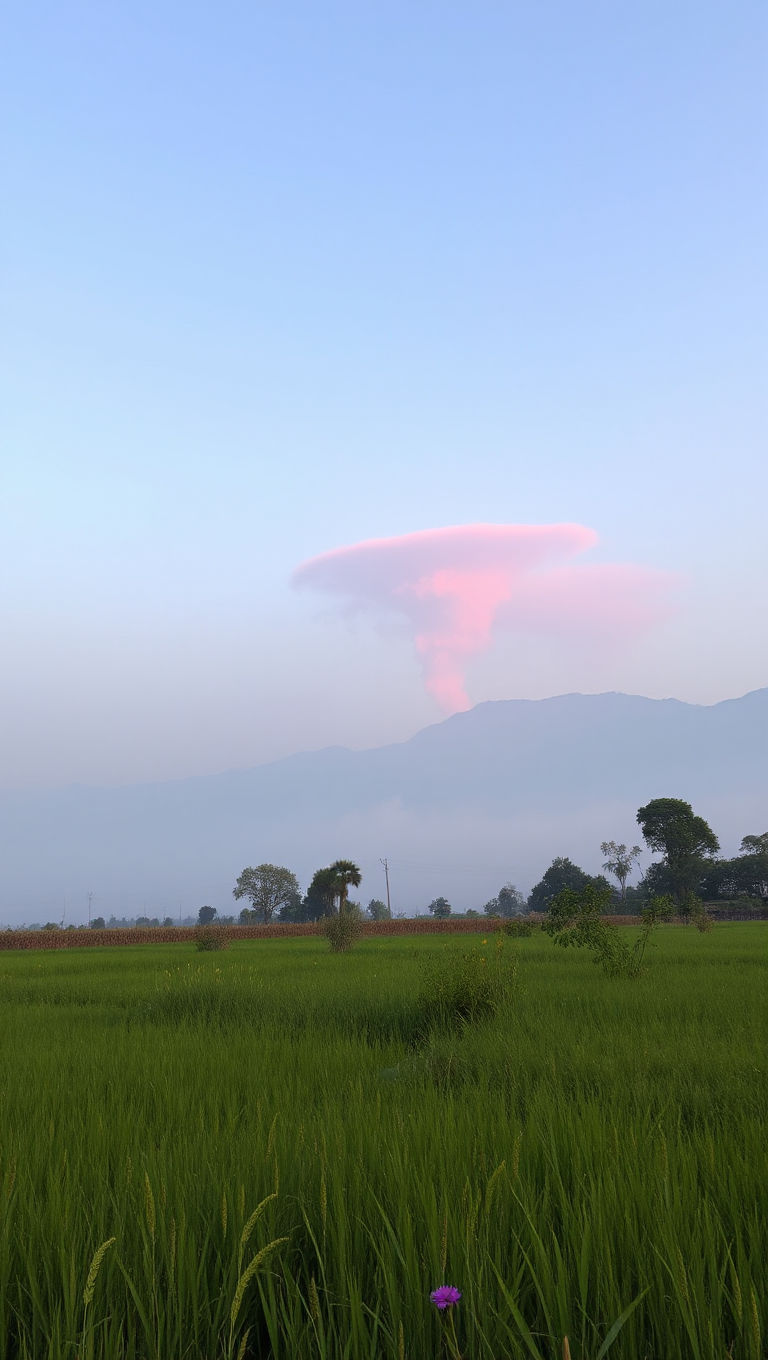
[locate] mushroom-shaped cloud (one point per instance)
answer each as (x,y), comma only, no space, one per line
(454,585)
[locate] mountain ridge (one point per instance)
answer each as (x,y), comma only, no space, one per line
(508,783)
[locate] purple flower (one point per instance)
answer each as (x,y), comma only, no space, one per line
(445,1297)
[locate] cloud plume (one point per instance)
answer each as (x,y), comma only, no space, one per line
(454,586)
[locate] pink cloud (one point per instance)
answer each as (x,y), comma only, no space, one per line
(452,587)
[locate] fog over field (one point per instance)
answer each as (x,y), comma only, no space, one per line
(486,796)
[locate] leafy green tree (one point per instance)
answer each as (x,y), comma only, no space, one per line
(511,901)
(205,916)
(293,909)
(440,908)
(268,887)
(508,902)
(576,917)
(746,875)
(347,875)
(754,845)
(619,862)
(377,910)
(320,898)
(686,842)
(563,873)
(98,923)
(752,862)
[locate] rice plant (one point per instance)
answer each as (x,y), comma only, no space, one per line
(261,1154)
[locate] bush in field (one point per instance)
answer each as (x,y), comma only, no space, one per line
(695,911)
(576,918)
(207,940)
(459,988)
(518,929)
(343,931)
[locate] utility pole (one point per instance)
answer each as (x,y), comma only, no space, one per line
(90,895)
(385,862)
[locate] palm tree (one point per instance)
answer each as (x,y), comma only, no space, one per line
(346,875)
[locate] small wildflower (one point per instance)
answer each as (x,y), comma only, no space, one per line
(445,1297)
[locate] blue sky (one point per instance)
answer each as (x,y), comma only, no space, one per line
(278,278)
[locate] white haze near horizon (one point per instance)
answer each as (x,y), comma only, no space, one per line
(487,797)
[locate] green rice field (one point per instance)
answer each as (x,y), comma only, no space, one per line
(591,1161)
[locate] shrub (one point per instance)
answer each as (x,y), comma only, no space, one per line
(697,912)
(575,918)
(458,988)
(518,929)
(207,940)
(343,930)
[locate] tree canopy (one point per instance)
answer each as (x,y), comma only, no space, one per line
(378,910)
(686,842)
(268,887)
(619,862)
(746,875)
(347,875)
(562,873)
(440,908)
(507,902)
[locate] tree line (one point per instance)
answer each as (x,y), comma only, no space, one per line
(688,871)
(274,893)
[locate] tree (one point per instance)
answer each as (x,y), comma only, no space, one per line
(686,842)
(576,917)
(511,901)
(619,862)
(744,876)
(347,876)
(268,887)
(754,845)
(752,866)
(440,908)
(377,910)
(205,917)
(293,909)
(508,902)
(321,896)
(562,873)
(98,923)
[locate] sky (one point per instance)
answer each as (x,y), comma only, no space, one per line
(283,280)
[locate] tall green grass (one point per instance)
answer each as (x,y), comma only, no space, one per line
(589,1160)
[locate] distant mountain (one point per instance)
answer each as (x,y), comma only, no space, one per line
(485,796)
